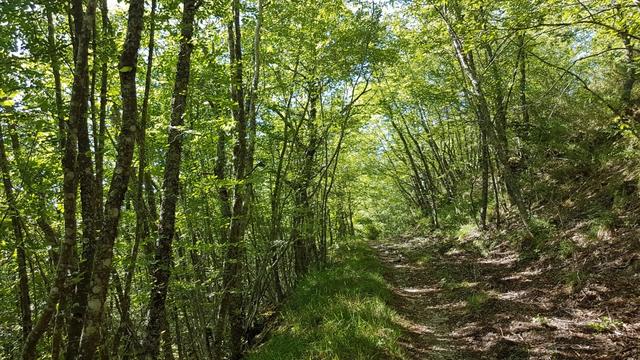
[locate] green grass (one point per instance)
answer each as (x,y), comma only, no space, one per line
(337,313)
(604,324)
(477,301)
(466,230)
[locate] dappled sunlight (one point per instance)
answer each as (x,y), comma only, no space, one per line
(447,306)
(507,260)
(320,179)
(419,290)
(462,304)
(511,295)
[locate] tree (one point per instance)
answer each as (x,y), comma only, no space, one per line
(293,127)
(170,187)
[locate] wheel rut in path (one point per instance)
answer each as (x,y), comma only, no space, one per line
(454,303)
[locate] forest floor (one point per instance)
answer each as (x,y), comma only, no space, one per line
(455,302)
(340,312)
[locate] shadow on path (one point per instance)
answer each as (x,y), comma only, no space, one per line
(457,304)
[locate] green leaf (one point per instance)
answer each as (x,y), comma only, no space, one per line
(125,69)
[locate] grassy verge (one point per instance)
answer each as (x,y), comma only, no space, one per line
(337,313)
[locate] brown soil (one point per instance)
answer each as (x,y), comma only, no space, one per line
(456,302)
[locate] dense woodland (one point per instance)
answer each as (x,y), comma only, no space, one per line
(171,170)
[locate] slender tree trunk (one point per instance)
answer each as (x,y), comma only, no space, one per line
(447,176)
(225,213)
(524,107)
(21,257)
(496,195)
(76,15)
(141,215)
(88,197)
(42,222)
(255,82)
(102,267)
(170,187)
(77,114)
(431,186)
(421,192)
(484,165)
(231,301)
(486,125)
(274,227)
(107,33)
(301,236)
(55,68)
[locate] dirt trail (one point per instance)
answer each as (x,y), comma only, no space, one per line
(456,303)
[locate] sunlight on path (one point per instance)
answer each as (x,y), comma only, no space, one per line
(461,305)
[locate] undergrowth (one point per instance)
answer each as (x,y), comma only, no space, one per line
(604,324)
(337,313)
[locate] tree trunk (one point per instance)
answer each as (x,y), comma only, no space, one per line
(77,112)
(231,302)
(107,33)
(484,165)
(486,125)
(161,269)
(225,213)
(141,231)
(126,142)
(524,107)
(55,68)
(21,257)
(420,191)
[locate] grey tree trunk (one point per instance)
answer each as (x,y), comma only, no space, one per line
(161,269)
(486,125)
(21,257)
(231,301)
(77,112)
(55,68)
(126,142)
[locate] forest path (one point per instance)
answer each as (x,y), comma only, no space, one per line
(456,303)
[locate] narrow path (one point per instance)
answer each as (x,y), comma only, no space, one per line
(456,303)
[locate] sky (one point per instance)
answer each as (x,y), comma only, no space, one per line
(116,4)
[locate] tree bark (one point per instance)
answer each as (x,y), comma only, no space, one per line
(524,107)
(141,229)
(107,33)
(231,301)
(171,186)
(225,213)
(126,142)
(485,123)
(77,112)
(21,257)
(55,69)
(484,165)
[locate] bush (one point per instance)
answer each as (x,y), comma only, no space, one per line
(371,231)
